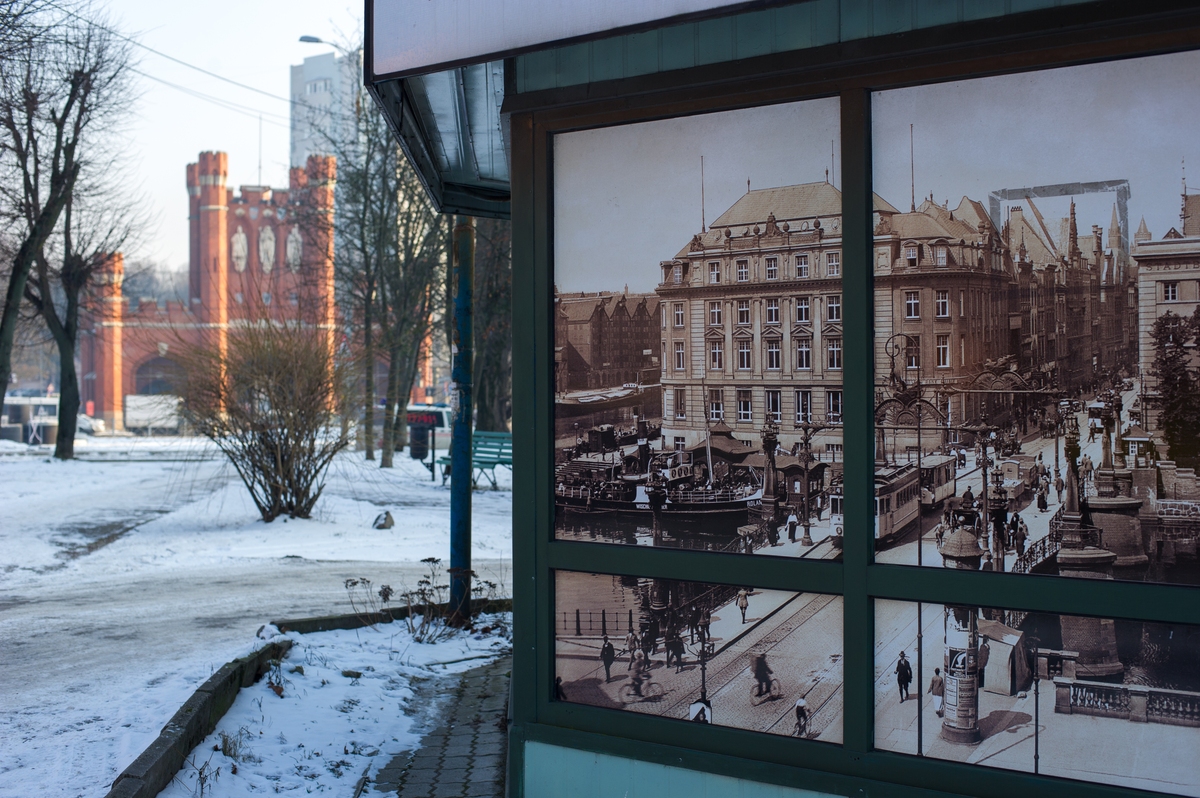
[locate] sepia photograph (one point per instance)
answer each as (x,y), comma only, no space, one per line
(698,333)
(729,655)
(1110,700)
(1035,323)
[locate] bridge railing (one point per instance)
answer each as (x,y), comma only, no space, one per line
(1135,702)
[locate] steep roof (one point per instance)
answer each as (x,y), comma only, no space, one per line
(581,309)
(933,221)
(803,201)
(1191,214)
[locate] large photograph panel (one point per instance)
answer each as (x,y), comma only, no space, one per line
(1115,701)
(698,332)
(1035,317)
(763,660)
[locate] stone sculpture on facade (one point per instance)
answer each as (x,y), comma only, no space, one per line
(294,249)
(266,249)
(239,249)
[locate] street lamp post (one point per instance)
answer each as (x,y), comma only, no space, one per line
(807,430)
(1037,680)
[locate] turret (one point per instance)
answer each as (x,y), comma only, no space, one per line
(212,240)
(107,355)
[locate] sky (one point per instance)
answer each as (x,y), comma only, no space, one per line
(628,197)
(249,41)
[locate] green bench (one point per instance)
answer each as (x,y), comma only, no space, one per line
(488,450)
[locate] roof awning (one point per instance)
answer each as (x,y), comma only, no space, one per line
(437,70)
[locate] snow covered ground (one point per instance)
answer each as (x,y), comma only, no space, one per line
(325,728)
(128,577)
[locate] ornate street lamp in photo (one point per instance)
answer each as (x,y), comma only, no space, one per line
(807,430)
(983,432)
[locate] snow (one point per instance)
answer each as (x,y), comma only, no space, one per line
(127,577)
(201,513)
(329,727)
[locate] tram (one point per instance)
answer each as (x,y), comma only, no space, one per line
(897,501)
(939,479)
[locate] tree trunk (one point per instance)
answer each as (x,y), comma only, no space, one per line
(68,400)
(389,438)
(369,386)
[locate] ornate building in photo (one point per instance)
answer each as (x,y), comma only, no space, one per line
(1168,273)
(260,254)
(988,321)
(752,320)
(605,339)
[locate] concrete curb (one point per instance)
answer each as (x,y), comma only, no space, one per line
(152,771)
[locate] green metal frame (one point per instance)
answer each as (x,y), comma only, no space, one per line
(852,71)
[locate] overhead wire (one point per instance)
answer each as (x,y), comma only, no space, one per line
(228,105)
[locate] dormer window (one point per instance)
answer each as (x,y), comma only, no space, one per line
(941,256)
(677,274)
(910,255)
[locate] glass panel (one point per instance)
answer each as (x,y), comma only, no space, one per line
(733,326)
(1026,312)
(1111,701)
(764,660)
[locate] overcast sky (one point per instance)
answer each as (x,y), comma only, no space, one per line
(1132,120)
(629,197)
(249,41)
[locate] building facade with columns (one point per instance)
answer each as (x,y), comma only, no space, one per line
(257,254)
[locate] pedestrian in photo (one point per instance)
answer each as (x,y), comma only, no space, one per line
(652,632)
(1058,486)
(693,623)
(792,522)
(559,693)
(677,643)
(937,689)
(1041,500)
(968,499)
(632,645)
(1021,535)
(904,676)
(607,655)
(743,602)
(985,651)
(987,563)
(705,626)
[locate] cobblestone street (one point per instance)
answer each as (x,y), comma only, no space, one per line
(802,642)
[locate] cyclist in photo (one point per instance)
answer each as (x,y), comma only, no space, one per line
(801,715)
(762,674)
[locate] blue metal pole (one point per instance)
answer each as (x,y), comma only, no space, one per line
(460,442)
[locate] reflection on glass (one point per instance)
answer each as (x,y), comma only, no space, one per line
(764,660)
(699,367)
(1032,388)
(1114,701)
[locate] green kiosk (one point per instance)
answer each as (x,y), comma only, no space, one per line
(816,493)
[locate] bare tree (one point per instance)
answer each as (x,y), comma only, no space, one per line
(409,301)
(93,228)
(269,401)
(492,311)
(57,86)
(389,253)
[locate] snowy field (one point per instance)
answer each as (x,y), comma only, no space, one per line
(128,577)
(325,729)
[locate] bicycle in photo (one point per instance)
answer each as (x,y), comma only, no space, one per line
(773,693)
(651,691)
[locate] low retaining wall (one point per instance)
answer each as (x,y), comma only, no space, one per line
(153,770)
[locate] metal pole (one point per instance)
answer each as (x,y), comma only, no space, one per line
(460,443)
(920,681)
